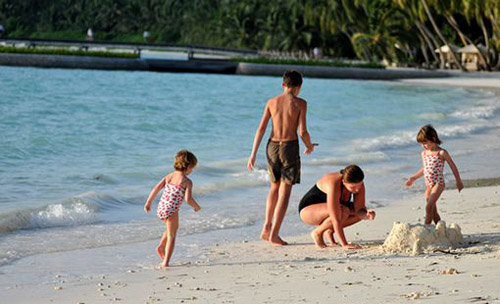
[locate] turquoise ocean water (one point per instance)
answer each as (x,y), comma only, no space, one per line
(80,150)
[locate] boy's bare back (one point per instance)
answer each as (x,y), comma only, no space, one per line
(285,111)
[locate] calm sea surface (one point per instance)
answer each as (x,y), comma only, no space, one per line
(80,150)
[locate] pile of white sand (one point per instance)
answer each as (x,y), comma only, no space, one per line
(414,239)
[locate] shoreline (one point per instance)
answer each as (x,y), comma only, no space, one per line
(257,272)
(212,66)
(466,80)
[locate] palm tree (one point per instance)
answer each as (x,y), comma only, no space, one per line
(440,35)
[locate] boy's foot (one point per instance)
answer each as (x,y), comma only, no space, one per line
(318,239)
(161,251)
(277,241)
(163,265)
(329,236)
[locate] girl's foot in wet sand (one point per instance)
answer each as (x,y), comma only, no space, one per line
(329,236)
(161,251)
(277,241)
(318,239)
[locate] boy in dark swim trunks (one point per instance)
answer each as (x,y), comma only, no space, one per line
(287,113)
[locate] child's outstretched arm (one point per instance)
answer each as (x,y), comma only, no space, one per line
(189,197)
(304,134)
(152,195)
(454,169)
(258,137)
(417,174)
(414,177)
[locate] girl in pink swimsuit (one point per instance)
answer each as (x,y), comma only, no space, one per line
(433,158)
(178,187)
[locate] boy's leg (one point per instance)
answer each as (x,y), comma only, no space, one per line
(285,190)
(172,224)
(272,199)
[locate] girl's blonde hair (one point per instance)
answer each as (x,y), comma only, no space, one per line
(428,133)
(184,160)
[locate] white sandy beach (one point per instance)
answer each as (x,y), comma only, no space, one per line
(256,272)
(485,81)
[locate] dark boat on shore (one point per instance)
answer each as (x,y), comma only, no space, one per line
(192,66)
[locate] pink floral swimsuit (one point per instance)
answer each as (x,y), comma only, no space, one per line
(170,201)
(433,169)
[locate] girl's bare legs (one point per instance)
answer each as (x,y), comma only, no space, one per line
(285,189)
(272,199)
(172,223)
(161,247)
(431,196)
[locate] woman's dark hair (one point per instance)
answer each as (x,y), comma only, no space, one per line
(428,133)
(352,174)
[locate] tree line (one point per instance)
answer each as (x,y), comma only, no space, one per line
(402,31)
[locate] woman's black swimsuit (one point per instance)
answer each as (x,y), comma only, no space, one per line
(316,196)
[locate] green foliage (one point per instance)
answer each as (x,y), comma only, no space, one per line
(393,30)
(59,35)
(16,50)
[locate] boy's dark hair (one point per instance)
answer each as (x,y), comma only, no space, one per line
(292,78)
(352,174)
(184,160)
(428,133)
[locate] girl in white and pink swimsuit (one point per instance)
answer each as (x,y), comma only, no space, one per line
(178,187)
(170,201)
(433,158)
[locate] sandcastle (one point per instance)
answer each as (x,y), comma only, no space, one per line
(414,239)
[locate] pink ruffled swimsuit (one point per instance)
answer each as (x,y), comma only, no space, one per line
(170,201)
(433,170)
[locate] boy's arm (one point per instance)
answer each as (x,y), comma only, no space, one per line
(189,197)
(152,195)
(258,137)
(454,169)
(304,134)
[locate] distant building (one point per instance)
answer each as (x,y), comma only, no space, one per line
(448,56)
(471,59)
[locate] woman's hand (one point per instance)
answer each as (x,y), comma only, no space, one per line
(147,208)
(460,185)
